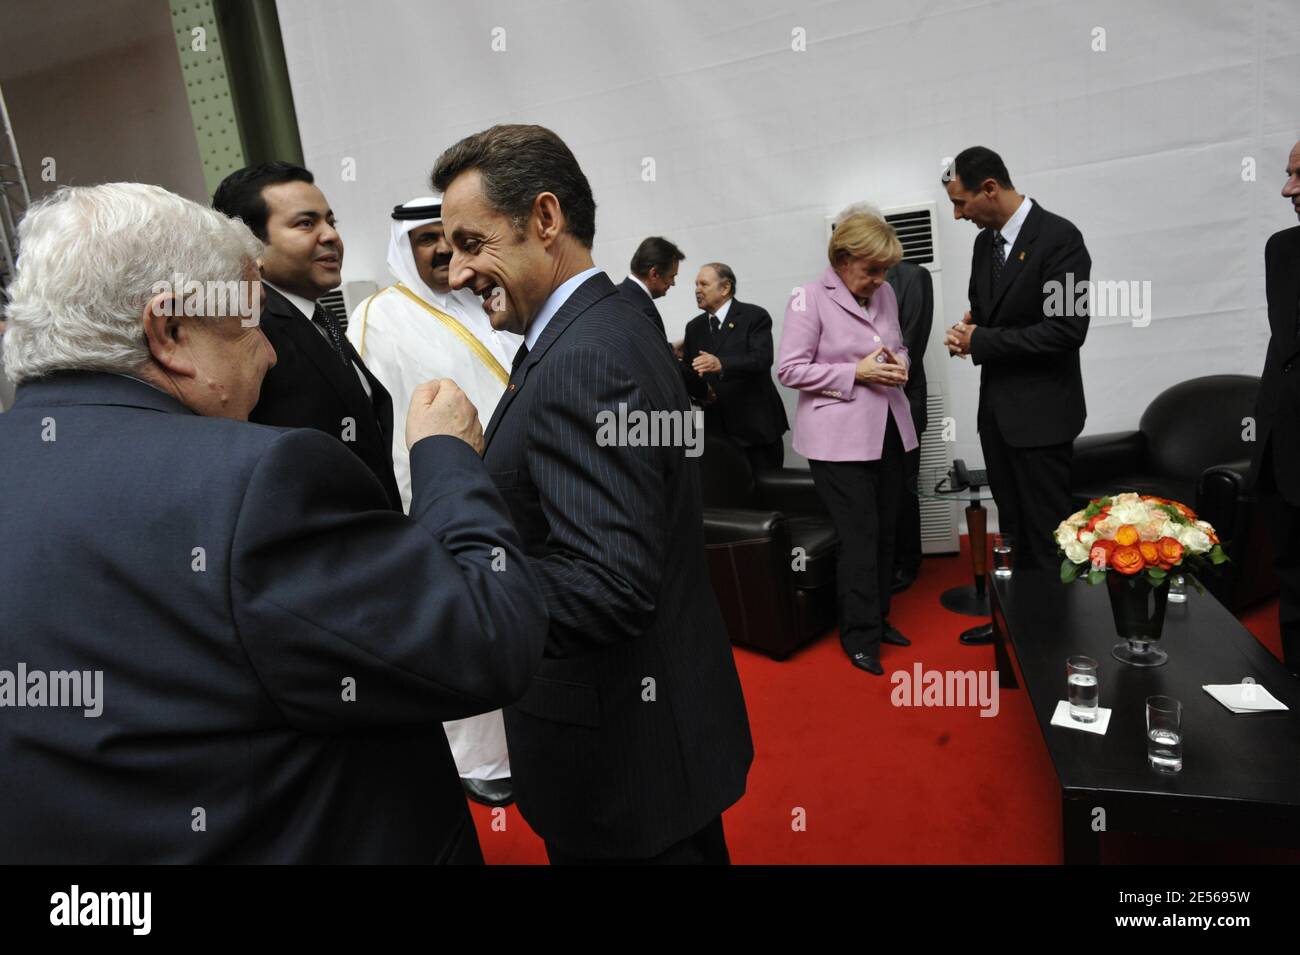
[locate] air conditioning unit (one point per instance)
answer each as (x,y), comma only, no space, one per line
(916,225)
(343,300)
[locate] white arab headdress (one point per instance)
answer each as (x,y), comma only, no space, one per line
(401,260)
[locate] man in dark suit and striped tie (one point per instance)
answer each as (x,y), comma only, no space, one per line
(633,737)
(319,380)
(1025,263)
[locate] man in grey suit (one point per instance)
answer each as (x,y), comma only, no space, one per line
(633,737)
(269,649)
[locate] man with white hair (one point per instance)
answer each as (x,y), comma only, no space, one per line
(228,648)
(417,330)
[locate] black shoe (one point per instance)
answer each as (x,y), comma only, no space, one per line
(864,662)
(893,636)
(490,792)
(977,636)
(902,580)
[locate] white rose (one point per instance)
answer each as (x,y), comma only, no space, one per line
(1193,539)
(1076,552)
(1064,534)
(1150,530)
(1106,528)
(1130,513)
(1086,538)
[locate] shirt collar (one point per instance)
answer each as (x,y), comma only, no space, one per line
(1017,220)
(553,304)
(721,313)
(642,284)
(304,305)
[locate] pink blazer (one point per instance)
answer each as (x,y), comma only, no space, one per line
(839,419)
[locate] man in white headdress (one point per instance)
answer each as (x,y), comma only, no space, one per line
(411,332)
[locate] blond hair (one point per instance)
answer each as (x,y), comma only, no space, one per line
(862,234)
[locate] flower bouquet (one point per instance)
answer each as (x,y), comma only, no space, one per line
(1133,543)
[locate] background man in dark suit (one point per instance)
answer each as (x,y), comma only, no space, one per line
(1031,404)
(1276,462)
(319,380)
(652,273)
(727,366)
(633,737)
(277,649)
(915,292)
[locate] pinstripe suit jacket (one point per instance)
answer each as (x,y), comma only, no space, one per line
(606,763)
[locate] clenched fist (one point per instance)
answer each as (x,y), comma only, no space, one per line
(440,407)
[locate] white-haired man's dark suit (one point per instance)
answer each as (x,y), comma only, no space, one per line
(279,647)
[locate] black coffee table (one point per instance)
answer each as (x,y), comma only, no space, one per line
(1241,773)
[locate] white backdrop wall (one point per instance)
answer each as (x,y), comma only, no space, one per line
(754,142)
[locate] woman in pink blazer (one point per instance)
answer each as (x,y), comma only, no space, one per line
(843,351)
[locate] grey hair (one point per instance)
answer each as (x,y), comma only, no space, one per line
(91,258)
(858,209)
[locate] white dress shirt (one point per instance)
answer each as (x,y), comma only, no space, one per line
(1014,224)
(308,309)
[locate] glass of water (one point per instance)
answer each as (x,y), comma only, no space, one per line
(1177,589)
(1001,555)
(1164,734)
(1081,682)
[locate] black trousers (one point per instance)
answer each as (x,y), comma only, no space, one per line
(766,457)
(1031,487)
(862,499)
(1286,561)
(907,539)
(706,847)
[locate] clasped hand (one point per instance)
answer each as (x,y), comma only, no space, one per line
(881,368)
(958,338)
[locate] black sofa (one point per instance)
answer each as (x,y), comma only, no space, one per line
(1191,445)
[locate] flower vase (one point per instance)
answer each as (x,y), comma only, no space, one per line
(1139,611)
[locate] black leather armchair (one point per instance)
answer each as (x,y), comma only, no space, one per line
(1189,447)
(773,598)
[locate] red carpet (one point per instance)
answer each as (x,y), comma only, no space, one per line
(885,784)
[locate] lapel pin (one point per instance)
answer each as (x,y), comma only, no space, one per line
(1022,256)
(510,387)
(731,324)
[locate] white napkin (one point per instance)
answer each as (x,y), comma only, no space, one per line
(1062,718)
(1245,697)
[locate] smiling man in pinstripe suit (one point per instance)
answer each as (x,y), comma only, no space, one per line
(633,738)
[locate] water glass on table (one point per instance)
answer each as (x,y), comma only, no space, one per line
(1164,734)
(1001,555)
(1177,589)
(1081,684)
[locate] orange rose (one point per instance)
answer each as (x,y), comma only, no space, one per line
(1127,560)
(1150,552)
(1099,556)
(1171,552)
(1126,536)
(1186,511)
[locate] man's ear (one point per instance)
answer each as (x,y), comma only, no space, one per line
(167,334)
(548,217)
(990,187)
